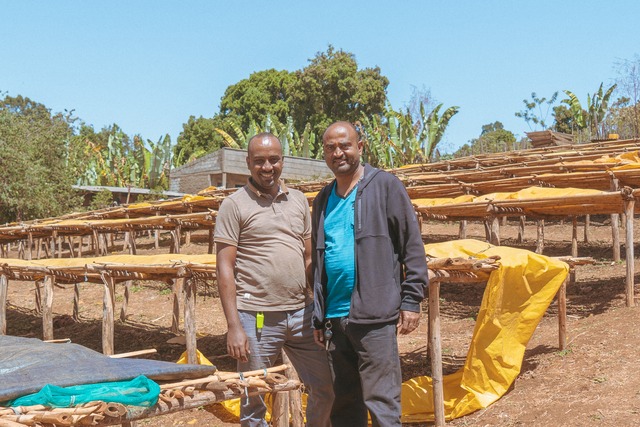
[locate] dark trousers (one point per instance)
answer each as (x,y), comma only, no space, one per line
(365,366)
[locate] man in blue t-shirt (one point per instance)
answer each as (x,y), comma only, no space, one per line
(370,272)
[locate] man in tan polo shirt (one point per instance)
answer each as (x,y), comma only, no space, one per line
(263,251)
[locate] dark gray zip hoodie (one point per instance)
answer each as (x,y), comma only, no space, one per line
(391,268)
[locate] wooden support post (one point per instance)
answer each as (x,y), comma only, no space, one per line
(157,236)
(462,229)
(132,243)
(210,249)
(38,298)
(562,315)
(4,288)
(487,230)
(295,396)
(125,302)
(38,247)
(615,224)
(629,206)
(190,319)
(46,248)
(47,308)
(178,286)
(30,246)
(175,233)
(108,303)
(80,246)
(540,236)
(495,231)
(105,244)
(435,352)
(21,252)
(95,242)
(574,246)
(574,236)
(280,413)
(615,236)
(59,239)
(71,245)
(521,225)
(587,226)
(76,302)
(187,237)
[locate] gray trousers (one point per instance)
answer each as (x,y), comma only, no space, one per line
(291,330)
(365,366)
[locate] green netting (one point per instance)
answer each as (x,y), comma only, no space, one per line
(140,391)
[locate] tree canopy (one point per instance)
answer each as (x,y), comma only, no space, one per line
(329,88)
(332,88)
(35,176)
(264,92)
(494,138)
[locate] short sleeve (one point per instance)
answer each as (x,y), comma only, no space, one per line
(307,220)
(227,228)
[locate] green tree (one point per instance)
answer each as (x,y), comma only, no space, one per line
(494,138)
(537,110)
(332,88)
(35,175)
(564,119)
(198,137)
(263,93)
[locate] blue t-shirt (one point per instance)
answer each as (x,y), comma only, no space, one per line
(339,255)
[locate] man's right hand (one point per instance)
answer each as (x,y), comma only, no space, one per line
(318,337)
(237,344)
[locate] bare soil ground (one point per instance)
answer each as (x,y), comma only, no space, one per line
(593,382)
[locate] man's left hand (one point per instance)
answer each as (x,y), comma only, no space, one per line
(408,321)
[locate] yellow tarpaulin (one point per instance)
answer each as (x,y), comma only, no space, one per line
(515,299)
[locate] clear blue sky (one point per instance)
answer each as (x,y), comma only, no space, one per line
(149,65)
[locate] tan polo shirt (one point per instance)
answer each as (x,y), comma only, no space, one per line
(269,235)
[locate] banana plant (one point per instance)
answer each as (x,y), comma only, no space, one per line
(434,127)
(593,117)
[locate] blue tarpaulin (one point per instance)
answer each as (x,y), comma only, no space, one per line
(28,364)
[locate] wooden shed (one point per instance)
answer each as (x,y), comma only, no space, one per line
(227,168)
